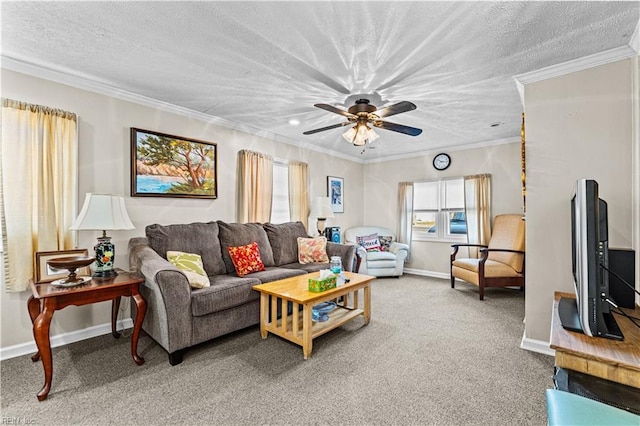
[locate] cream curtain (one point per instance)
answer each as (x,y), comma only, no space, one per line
(39,185)
(405,214)
(298,192)
(477,202)
(255,186)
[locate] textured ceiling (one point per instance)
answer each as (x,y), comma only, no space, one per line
(260,64)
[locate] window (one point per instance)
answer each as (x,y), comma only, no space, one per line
(280,200)
(438,210)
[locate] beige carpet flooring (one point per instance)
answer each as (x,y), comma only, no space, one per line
(430,356)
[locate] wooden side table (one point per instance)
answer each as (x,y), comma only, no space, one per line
(46,299)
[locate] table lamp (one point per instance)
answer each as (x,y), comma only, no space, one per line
(103,212)
(321,209)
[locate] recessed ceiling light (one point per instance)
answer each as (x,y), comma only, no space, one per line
(294,122)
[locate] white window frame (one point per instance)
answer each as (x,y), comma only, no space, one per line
(443,227)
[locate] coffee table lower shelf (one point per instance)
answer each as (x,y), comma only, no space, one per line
(337,317)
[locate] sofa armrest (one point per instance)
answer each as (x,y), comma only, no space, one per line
(168,295)
(347,253)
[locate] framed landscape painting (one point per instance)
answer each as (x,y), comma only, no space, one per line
(164,165)
(335,192)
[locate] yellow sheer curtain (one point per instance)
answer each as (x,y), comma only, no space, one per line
(255,186)
(298,192)
(477,202)
(405,214)
(39,185)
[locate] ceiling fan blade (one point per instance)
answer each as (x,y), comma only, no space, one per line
(407,130)
(335,110)
(394,109)
(322,129)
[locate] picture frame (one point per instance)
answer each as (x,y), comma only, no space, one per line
(44,273)
(164,165)
(335,192)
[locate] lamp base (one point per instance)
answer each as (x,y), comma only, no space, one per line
(105,252)
(105,274)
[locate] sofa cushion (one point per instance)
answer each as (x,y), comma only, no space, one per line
(274,273)
(246,259)
(312,250)
(198,238)
(306,267)
(191,265)
(241,234)
(284,240)
(225,292)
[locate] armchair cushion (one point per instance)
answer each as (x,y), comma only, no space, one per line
(508,233)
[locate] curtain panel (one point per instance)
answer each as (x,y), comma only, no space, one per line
(405,214)
(255,187)
(477,202)
(39,185)
(298,192)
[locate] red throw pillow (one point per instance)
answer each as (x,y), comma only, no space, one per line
(246,259)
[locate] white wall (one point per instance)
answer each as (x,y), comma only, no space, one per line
(104,124)
(578,126)
(381,189)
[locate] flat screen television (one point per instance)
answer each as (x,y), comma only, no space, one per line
(590,312)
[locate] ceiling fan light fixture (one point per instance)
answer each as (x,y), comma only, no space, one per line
(360,135)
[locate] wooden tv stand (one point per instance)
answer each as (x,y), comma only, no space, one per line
(617,361)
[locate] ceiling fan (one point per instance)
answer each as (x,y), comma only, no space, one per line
(363,114)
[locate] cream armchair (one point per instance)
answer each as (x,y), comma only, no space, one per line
(388,263)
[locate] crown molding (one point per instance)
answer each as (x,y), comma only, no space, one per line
(77,81)
(448,148)
(634,43)
(601,58)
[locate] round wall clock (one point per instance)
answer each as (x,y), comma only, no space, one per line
(441,161)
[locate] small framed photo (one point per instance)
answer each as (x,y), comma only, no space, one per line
(165,165)
(45,273)
(335,192)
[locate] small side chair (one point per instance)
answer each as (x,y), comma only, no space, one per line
(501,263)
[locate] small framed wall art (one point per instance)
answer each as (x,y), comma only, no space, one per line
(44,273)
(335,192)
(164,165)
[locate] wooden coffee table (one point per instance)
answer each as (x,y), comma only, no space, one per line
(297,326)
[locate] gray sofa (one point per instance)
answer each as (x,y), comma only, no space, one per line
(178,316)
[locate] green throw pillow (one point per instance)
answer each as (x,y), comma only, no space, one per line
(191,265)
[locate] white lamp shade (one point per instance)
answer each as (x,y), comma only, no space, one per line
(102,212)
(321,207)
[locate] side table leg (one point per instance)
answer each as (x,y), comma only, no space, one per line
(141,307)
(34,307)
(41,335)
(115,307)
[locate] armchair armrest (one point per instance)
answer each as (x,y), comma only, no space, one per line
(168,295)
(395,247)
(347,253)
(455,248)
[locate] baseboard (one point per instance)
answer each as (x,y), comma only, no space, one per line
(63,339)
(424,273)
(539,346)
